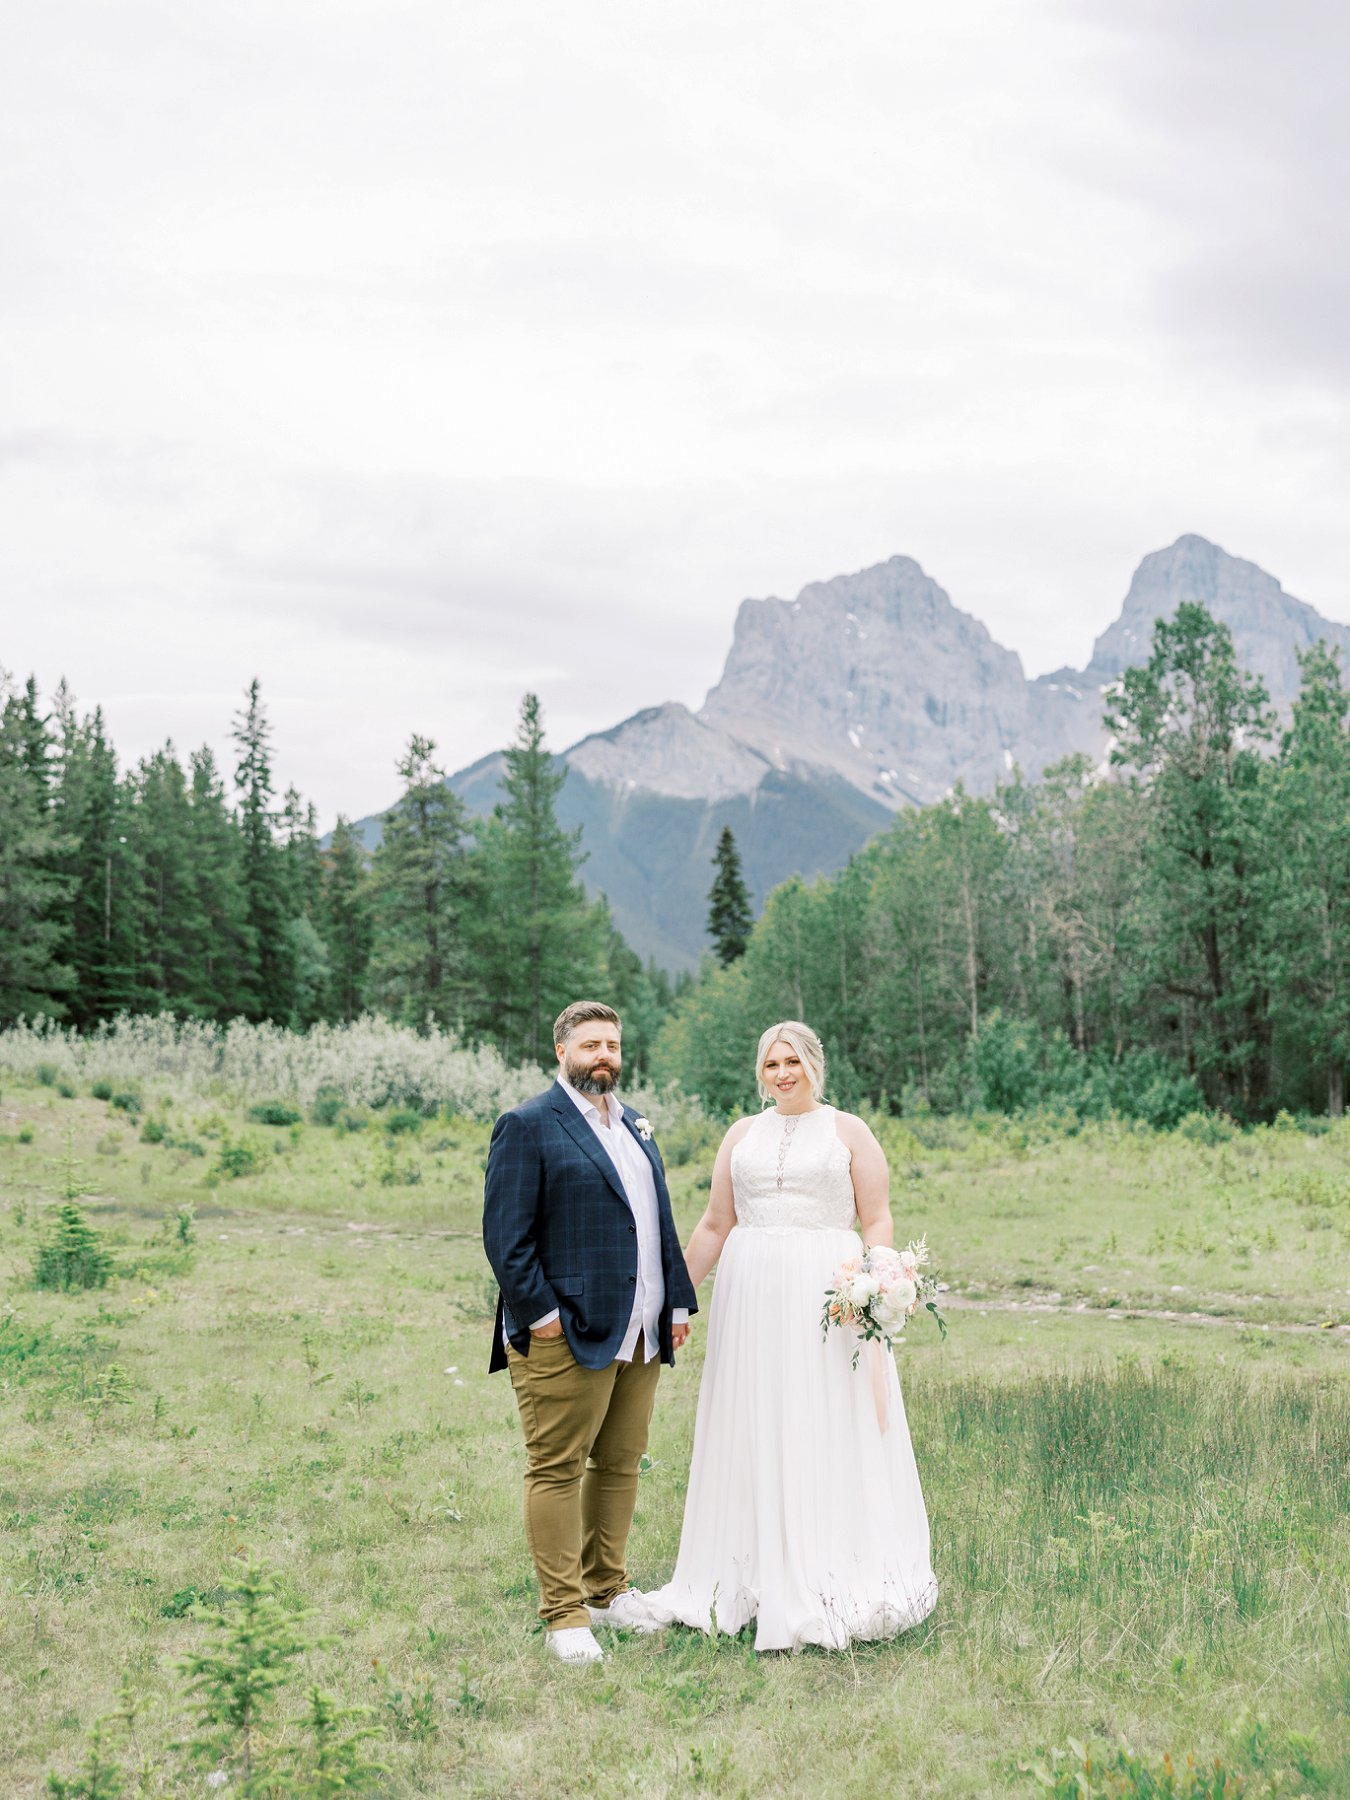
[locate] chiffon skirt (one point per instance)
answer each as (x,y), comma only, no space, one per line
(804,1511)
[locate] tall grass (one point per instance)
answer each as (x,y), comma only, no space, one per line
(370,1062)
(1144,1515)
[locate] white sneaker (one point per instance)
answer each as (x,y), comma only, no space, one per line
(575,1644)
(626,1611)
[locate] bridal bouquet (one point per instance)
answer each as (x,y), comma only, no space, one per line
(876,1295)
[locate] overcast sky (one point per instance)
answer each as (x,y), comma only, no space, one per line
(415,353)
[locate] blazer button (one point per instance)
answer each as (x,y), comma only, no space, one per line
(632,1281)
(633,1229)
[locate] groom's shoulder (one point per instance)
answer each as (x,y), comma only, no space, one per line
(531,1111)
(520,1130)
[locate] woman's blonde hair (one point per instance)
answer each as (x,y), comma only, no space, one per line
(804,1043)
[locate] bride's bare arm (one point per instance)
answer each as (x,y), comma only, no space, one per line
(709,1235)
(871,1180)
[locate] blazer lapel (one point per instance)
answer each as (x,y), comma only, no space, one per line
(581,1133)
(648,1145)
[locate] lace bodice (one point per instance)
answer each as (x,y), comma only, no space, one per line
(793,1169)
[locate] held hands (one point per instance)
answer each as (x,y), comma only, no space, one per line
(679,1335)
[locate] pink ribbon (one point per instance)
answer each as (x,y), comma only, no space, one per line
(876,1370)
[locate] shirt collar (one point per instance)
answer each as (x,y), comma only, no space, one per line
(585,1103)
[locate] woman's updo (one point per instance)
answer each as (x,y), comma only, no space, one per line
(804,1043)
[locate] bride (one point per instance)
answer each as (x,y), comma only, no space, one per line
(804,1511)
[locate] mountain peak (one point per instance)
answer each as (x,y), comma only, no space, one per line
(1269,626)
(875,677)
(669,750)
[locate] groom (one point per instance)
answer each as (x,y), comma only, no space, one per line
(594,1297)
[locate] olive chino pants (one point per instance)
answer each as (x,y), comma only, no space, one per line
(585,1433)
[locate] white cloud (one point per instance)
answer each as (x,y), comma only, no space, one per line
(409,356)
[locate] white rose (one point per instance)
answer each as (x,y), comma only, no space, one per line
(890,1313)
(865,1288)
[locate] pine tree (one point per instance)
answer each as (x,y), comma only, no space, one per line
(302,888)
(541,943)
(101,897)
(420,882)
(225,984)
(301,857)
(173,925)
(34,977)
(1193,722)
(729,914)
(262,867)
(257,1643)
(347,921)
(73,1256)
(333,1764)
(35,743)
(1309,920)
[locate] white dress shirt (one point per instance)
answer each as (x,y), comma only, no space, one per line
(638,1182)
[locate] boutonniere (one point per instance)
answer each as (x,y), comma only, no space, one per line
(643,1127)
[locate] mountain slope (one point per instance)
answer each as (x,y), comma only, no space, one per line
(867,693)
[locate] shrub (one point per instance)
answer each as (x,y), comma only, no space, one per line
(1206,1128)
(237,1160)
(1006,1064)
(46,1073)
(327,1106)
(404,1120)
(370,1062)
(127,1102)
(274,1112)
(1014,1067)
(102,1090)
(152,1132)
(73,1257)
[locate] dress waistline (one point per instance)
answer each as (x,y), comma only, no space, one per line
(781,1230)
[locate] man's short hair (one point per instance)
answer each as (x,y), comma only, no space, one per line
(578,1013)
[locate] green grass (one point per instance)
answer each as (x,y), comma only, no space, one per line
(1141,1524)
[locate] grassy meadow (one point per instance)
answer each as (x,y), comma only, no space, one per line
(1135,1446)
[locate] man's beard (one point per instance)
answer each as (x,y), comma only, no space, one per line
(590,1080)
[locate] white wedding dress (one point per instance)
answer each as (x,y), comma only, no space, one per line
(804,1511)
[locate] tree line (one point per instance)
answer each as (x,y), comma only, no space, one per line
(188,889)
(1173,937)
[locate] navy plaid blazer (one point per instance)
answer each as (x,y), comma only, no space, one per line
(558,1231)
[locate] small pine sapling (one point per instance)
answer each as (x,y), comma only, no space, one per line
(73,1257)
(258,1639)
(333,1763)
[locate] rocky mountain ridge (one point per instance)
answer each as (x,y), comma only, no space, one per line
(867,693)
(880,680)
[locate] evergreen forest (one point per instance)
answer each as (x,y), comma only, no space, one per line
(1163,936)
